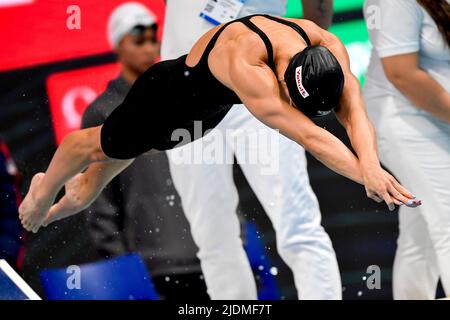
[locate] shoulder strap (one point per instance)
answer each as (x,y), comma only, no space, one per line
(264,38)
(261,34)
(213,40)
(293,25)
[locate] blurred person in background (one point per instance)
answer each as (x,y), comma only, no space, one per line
(140,210)
(287,197)
(10,228)
(407,92)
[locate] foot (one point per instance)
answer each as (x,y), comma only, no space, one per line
(33,209)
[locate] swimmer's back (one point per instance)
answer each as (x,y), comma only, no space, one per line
(237,41)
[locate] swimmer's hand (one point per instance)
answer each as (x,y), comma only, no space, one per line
(78,196)
(382,186)
(33,209)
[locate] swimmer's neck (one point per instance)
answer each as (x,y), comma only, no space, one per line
(281,63)
(283,53)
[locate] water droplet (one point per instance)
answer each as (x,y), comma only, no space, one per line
(360,293)
(364,278)
(186,73)
(167,279)
(260,268)
(274,271)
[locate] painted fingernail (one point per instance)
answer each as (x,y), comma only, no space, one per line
(410,202)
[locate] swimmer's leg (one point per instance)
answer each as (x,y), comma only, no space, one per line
(135,125)
(125,134)
(77,151)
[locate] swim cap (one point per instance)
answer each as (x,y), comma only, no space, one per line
(315,81)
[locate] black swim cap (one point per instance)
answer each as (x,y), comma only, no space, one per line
(315,81)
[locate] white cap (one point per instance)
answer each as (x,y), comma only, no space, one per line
(125,17)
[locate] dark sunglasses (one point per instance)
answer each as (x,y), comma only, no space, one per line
(138,32)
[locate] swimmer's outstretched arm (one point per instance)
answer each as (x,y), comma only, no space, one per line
(353,116)
(258,88)
(79,150)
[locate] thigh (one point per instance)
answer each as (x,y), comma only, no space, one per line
(415,146)
(137,124)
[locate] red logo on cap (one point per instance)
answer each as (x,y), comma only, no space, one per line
(298,79)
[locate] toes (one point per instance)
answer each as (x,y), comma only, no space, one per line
(26,226)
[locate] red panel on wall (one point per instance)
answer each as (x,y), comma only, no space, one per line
(71,92)
(35,31)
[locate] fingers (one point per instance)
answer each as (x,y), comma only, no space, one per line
(399,197)
(375,197)
(401,189)
(389,201)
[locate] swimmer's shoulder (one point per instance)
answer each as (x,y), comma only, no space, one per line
(316,34)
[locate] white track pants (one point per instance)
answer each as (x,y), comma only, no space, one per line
(415,146)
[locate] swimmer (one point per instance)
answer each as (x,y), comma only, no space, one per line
(285,71)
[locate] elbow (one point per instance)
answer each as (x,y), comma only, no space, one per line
(93,147)
(325,22)
(398,78)
(308,139)
(394,76)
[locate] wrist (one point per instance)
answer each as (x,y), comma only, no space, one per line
(369,165)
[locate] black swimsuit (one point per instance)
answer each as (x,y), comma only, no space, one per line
(171,95)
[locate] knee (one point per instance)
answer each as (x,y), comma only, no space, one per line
(85,144)
(309,239)
(219,237)
(96,153)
